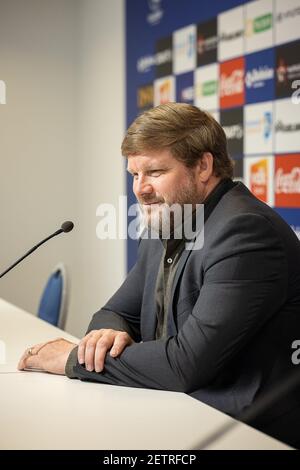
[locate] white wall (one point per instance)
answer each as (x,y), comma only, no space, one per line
(101,128)
(60,133)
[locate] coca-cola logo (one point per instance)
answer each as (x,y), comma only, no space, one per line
(288,183)
(232,84)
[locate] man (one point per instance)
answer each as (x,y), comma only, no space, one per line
(216,322)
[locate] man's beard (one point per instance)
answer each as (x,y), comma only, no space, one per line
(166,217)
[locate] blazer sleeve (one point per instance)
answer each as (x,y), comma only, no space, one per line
(245,284)
(122,311)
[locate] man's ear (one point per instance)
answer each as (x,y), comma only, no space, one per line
(205,167)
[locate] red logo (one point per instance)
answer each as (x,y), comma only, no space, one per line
(287,180)
(232,83)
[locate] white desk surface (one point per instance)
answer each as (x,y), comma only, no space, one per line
(45,411)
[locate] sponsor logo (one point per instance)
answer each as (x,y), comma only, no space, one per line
(259,24)
(267,125)
(261,126)
(207,86)
(156,12)
(145,63)
(186,47)
(258,179)
(185,88)
(184,43)
(287,180)
(258,119)
(145,97)
(287,72)
(2,92)
(207,42)
(233,132)
(259,76)
(287,183)
(232,83)
(280,126)
(287,20)
(164,57)
(287,68)
(287,126)
(164,90)
(232,123)
(231,34)
(256,77)
(187,94)
(288,14)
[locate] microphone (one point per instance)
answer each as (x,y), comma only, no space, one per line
(65,227)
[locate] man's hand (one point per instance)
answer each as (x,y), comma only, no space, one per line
(94,346)
(49,357)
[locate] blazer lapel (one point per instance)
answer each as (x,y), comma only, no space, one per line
(209,205)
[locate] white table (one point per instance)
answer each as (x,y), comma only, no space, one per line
(44,411)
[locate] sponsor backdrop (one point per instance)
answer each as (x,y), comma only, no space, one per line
(241,62)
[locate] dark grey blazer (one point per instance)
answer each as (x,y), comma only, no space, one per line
(234,314)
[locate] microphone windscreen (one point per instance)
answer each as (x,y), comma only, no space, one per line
(67,226)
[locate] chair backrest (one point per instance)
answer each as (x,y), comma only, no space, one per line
(53,303)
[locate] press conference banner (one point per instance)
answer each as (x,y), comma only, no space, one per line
(241,62)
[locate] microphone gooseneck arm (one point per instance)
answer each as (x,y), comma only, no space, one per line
(65,227)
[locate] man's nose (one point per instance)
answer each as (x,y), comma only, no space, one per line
(143,187)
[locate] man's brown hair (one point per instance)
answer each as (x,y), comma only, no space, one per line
(185,130)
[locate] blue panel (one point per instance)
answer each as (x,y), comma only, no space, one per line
(185,88)
(260,79)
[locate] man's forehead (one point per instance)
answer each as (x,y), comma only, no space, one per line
(148,160)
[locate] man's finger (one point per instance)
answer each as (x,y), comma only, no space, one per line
(100,353)
(29,362)
(104,343)
(121,341)
(29,352)
(83,343)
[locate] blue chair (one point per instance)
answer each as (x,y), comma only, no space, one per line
(53,303)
